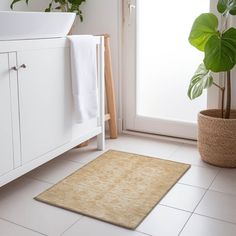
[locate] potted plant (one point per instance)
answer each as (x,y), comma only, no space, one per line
(62,5)
(216,127)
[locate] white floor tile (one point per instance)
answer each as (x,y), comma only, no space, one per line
(143,146)
(126,143)
(204,226)
(55,170)
(183,197)
(218,205)
(189,154)
(83,155)
(225,181)
(10,229)
(90,227)
(199,176)
(164,221)
(17,205)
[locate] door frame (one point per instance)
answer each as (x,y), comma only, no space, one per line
(130,118)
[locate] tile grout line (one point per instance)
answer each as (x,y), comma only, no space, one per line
(214,179)
(199,202)
(225,221)
(79,162)
(43,181)
(80,218)
(143,233)
(226,193)
(190,185)
(82,163)
(205,166)
(182,146)
(176,208)
(63,159)
(175,150)
(22,226)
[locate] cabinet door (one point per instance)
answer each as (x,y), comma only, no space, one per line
(6,139)
(44,100)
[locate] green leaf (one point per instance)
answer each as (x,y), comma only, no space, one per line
(203,28)
(229,37)
(13,2)
(49,8)
(222,5)
(227,6)
(202,79)
(233,9)
(63,5)
(220,52)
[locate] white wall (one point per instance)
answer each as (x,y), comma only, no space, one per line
(34,5)
(5,5)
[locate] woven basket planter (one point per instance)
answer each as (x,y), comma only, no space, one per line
(217,138)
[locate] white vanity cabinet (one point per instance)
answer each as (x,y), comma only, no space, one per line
(6,145)
(44,100)
(37,121)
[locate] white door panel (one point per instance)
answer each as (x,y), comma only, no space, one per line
(158,65)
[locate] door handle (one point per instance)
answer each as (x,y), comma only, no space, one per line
(15,68)
(131,8)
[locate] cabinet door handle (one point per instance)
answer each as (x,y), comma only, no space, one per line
(19,67)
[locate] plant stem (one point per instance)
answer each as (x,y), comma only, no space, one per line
(63,7)
(222,89)
(223,23)
(222,102)
(223,27)
(228,96)
(218,86)
(67,6)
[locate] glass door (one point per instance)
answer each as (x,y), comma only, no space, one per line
(159,63)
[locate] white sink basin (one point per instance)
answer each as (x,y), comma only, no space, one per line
(34,25)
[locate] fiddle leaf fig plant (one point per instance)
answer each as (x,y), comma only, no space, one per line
(202,79)
(62,5)
(219,46)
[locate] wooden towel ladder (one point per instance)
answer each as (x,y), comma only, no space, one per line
(110,91)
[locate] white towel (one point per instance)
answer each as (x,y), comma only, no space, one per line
(84,76)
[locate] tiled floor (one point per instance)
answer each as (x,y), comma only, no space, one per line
(202,203)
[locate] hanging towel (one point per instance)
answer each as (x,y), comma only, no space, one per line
(84,76)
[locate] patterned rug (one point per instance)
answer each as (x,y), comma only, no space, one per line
(117,187)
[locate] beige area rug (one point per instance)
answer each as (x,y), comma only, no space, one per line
(117,187)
